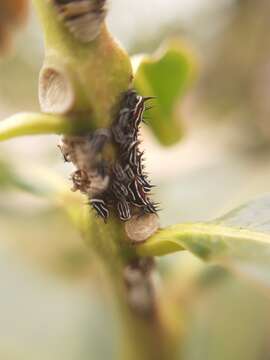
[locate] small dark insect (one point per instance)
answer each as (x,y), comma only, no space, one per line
(118,187)
(130,172)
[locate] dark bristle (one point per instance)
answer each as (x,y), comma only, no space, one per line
(146,119)
(147,98)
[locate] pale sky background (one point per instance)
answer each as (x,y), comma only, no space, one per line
(127,19)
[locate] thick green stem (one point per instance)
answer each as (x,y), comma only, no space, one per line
(100,71)
(94,76)
(145,335)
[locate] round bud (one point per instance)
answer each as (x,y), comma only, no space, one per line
(140,227)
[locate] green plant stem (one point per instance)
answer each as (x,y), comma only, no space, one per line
(144,336)
(33,124)
(100,72)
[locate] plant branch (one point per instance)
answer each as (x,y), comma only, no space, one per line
(33,124)
(85,82)
(100,71)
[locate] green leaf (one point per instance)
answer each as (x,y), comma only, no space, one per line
(239,241)
(165,75)
(33,124)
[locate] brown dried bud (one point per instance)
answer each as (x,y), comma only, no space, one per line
(83,18)
(140,227)
(56,93)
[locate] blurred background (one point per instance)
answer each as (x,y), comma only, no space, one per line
(51,303)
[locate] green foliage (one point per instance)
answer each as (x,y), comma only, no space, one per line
(240,241)
(165,75)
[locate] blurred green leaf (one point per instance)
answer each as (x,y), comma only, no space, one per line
(9,178)
(165,75)
(45,183)
(228,321)
(240,241)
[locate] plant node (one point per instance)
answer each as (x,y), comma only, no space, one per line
(83,18)
(56,94)
(140,227)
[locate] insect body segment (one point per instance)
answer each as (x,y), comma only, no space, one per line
(124,210)
(101,208)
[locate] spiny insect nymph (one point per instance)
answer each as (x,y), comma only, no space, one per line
(129,187)
(119,186)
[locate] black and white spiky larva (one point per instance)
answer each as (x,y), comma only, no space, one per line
(119,186)
(129,188)
(83,18)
